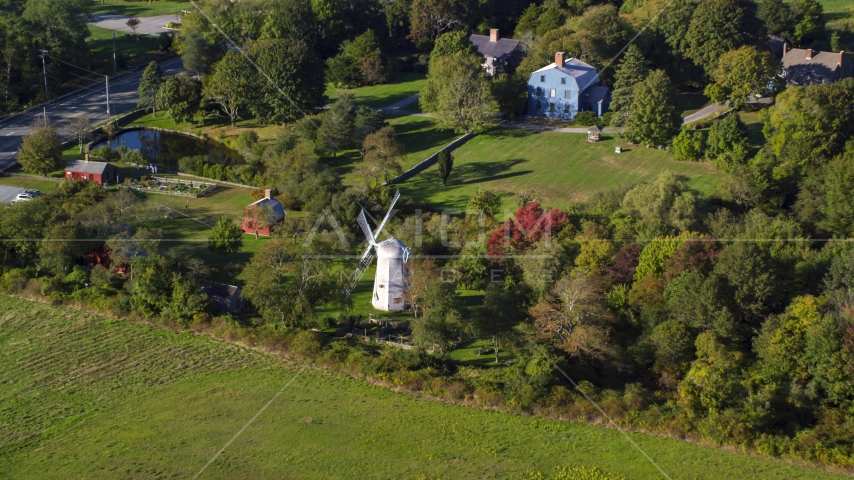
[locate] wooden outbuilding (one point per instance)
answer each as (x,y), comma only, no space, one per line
(98,172)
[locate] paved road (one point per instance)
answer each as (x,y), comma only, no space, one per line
(7,194)
(704,112)
(123,98)
(147,25)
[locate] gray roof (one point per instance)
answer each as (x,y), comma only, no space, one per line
(87,167)
(595,94)
(216,289)
(822,64)
(585,75)
(274,205)
(594,129)
(500,49)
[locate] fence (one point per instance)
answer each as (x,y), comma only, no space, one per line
(232,184)
(208,187)
(428,162)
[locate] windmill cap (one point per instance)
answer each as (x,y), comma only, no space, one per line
(391,247)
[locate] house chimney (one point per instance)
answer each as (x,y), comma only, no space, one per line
(268,193)
(559,58)
(809,54)
(493,34)
(785,48)
(840,56)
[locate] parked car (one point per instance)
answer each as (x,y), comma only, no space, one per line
(22,197)
(33,193)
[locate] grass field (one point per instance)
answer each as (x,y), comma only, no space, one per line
(140,8)
(562,167)
(404,85)
(101,45)
(420,136)
(88,397)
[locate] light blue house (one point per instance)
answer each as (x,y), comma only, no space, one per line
(566,87)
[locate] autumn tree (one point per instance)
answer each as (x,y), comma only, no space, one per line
(41,150)
(458,94)
(133,24)
(79,128)
(381,157)
(572,318)
(530,224)
(431,18)
(741,73)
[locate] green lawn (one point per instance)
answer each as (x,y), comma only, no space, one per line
(88,397)
(420,136)
(562,167)
(32,183)
(404,85)
(132,49)
(140,8)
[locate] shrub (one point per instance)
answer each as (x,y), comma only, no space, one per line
(105,153)
(606,119)
(14,280)
(187,165)
(288,201)
(688,146)
(306,343)
(586,118)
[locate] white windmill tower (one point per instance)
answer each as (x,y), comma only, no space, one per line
(392,256)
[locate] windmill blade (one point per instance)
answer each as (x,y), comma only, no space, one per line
(388,214)
(369,235)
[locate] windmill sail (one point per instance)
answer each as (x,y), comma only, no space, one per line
(368,257)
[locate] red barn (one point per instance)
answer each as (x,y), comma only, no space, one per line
(260,216)
(98,172)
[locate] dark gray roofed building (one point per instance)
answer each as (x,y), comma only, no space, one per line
(224,298)
(501,54)
(808,66)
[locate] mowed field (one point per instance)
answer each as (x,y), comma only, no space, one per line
(89,397)
(563,167)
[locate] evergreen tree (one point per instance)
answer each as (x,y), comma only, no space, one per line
(446,163)
(632,70)
(226,237)
(335,131)
(149,84)
(654,119)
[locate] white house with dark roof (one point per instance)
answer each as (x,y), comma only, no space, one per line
(565,88)
(807,66)
(501,54)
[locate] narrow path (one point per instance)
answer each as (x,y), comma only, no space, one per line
(395,108)
(704,112)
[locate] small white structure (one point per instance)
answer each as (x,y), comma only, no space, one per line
(392,257)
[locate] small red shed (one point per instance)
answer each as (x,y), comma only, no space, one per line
(98,172)
(260,216)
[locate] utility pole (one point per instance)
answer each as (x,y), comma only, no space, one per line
(114,53)
(107,78)
(44,70)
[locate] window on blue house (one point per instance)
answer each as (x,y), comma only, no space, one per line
(552,108)
(539,105)
(566,94)
(566,109)
(542,78)
(563,81)
(539,91)
(554,93)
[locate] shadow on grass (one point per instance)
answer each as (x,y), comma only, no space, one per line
(479,172)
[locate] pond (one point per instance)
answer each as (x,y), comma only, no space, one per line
(164,149)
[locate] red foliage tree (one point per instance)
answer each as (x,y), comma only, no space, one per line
(530,225)
(625,263)
(694,255)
